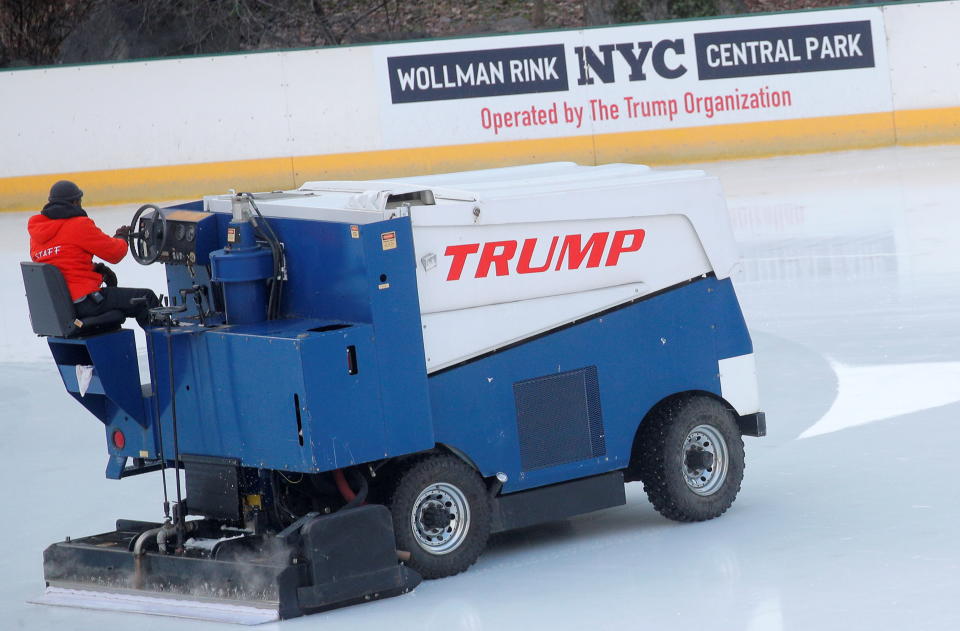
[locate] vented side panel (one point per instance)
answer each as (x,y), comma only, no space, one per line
(559,418)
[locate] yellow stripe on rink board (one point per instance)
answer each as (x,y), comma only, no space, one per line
(443,159)
(928,127)
(748,140)
(145,184)
(670,146)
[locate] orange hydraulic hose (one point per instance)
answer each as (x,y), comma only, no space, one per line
(343,486)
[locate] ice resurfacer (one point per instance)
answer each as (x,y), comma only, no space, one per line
(355,383)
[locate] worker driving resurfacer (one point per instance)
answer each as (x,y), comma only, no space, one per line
(63,235)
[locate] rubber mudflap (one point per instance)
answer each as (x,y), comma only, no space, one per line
(353,558)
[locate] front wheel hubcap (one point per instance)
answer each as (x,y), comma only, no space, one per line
(440,518)
(705,460)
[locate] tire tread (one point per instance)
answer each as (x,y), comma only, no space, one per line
(409,482)
(667,492)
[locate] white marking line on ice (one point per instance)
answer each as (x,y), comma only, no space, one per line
(874,393)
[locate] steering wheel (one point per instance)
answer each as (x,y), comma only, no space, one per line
(164,315)
(146,244)
(168,311)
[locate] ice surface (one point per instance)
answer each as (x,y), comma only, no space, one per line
(850,285)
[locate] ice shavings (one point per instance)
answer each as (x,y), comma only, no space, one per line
(178,608)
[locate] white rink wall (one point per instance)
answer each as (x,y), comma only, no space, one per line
(653,93)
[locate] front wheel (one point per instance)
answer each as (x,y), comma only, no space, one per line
(441,515)
(691,459)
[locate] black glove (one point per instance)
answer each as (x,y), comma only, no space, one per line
(109,278)
(122,232)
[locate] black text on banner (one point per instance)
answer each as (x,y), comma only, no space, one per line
(477,73)
(784,50)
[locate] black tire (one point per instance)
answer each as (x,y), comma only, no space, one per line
(431,490)
(670,452)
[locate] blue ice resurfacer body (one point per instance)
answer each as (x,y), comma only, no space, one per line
(419,362)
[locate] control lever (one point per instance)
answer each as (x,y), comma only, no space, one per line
(199,292)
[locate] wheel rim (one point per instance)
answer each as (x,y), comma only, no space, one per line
(705,460)
(440,518)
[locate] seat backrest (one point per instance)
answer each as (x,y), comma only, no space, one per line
(51,308)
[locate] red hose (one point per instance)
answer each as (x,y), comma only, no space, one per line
(343,486)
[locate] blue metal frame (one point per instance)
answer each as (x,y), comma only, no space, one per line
(644,352)
(253,391)
(114,393)
(340,378)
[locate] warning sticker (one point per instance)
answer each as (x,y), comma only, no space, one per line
(354,232)
(388,240)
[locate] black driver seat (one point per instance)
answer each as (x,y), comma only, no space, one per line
(51,310)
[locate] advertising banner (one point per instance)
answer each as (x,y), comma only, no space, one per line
(661,93)
(633,78)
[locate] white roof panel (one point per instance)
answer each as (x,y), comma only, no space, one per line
(549,192)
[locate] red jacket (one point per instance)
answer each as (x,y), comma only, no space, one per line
(71,244)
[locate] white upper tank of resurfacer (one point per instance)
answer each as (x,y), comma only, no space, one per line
(505,254)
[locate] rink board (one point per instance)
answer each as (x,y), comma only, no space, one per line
(655,93)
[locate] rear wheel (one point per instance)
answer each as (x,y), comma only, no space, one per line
(691,459)
(441,515)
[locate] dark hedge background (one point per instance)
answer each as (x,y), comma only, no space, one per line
(47,32)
